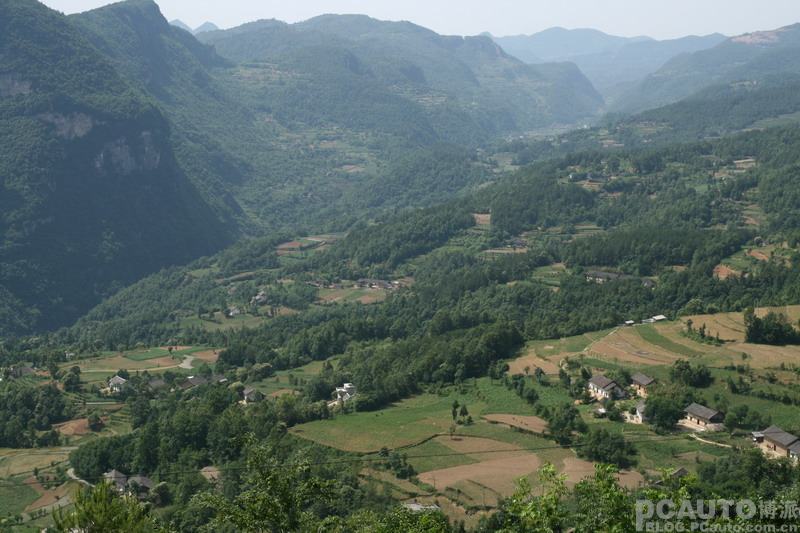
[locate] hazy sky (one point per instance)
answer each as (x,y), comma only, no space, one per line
(661,19)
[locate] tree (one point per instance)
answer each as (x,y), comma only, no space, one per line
(463,412)
(104,511)
(523,513)
(276,496)
(601,446)
(95,422)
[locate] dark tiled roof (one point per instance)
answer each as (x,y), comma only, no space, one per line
(641,379)
(701,411)
(602,382)
(142,481)
(779,436)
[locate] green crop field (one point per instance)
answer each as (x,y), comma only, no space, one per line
(649,334)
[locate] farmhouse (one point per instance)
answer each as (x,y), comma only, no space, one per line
(21,371)
(140,486)
(702,417)
(345,392)
(193,381)
(640,383)
(118,384)
(601,387)
(640,417)
(117,480)
(252,394)
(156,384)
(777,442)
(377,284)
(218,378)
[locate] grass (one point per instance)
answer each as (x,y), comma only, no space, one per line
(402,424)
(576,343)
(16,462)
(16,496)
(440,456)
(649,334)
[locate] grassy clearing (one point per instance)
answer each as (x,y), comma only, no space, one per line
(568,345)
(16,462)
(402,424)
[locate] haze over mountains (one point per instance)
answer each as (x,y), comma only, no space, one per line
(131,144)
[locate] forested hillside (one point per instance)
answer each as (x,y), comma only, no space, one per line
(744,58)
(464,83)
(92,194)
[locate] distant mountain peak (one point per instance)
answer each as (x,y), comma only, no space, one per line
(206,26)
(180,24)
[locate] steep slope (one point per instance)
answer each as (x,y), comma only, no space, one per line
(90,191)
(613,72)
(448,76)
(749,56)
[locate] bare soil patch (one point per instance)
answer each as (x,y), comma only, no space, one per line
(79,426)
(176,348)
(576,469)
(757,255)
(291,245)
(366,299)
(722,272)
(531,423)
(46,496)
(211,473)
(206,355)
(630,478)
(162,362)
(532,360)
(482,219)
(497,474)
(481,448)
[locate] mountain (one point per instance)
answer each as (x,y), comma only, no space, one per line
(611,72)
(206,26)
(180,24)
(746,57)
(447,75)
(91,192)
(560,44)
(611,63)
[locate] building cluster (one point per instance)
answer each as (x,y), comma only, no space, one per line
(138,486)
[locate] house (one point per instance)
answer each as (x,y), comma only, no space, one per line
(156,384)
(375,284)
(640,382)
(775,441)
(601,387)
(345,392)
(117,480)
(629,323)
(118,384)
(21,371)
(218,378)
(659,318)
(234,311)
(140,486)
(252,394)
(193,381)
(640,417)
(702,417)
